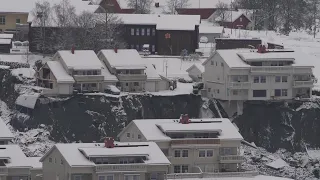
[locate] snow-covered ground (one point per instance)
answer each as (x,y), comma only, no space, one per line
(260,177)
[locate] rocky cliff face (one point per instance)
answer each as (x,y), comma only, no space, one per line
(274,125)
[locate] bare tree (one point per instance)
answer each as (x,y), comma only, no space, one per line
(313,19)
(222,12)
(140,6)
(172,5)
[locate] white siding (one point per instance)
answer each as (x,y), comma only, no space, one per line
(163,85)
(151,86)
(65,88)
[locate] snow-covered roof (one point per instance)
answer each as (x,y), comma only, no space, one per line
(123,58)
(5,132)
(80,60)
(279,56)
(72,152)
(35,162)
(151,128)
(233,60)
(15,155)
(59,72)
(27,100)
(163,21)
(6,36)
(151,72)
(204,4)
(277,164)
(108,77)
(211,29)
(5,41)
(198,66)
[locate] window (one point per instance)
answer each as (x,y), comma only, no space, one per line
(181,169)
(225,151)
(153,31)
(50,160)
(128,135)
(99,161)
(89,72)
(106,177)
(177,153)
(136,83)
(259,93)
(153,48)
(240,19)
(132,32)
(138,47)
(212,63)
(101,178)
(18,21)
(93,85)
(61,161)
(278,79)
(148,31)
(221,64)
(123,161)
(218,91)
(137,32)
(127,84)
(77,177)
(176,169)
(184,153)
(209,89)
(284,78)
(262,79)
(202,153)
(235,92)
(256,79)
(142,32)
(139,136)
(284,92)
(132,177)
(2,20)
(277,92)
(184,168)
(209,153)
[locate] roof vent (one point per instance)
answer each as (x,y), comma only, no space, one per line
(109,142)
(72,49)
(184,119)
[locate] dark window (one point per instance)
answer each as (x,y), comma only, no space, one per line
(259,93)
(132,46)
(184,169)
(176,169)
(202,153)
(95,72)
(148,32)
(139,136)
(277,78)
(51,86)
(153,31)
(138,47)
(284,92)
(209,153)
(136,83)
(18,21)
(93,85)
(284,78)
(262,79)
(184,153)
(256,79)
(89,72)
(127,84)
(137,32)
(2,20)
(277,92)
(177,153)
(128,135)
(142,32)
(50,159)
(132,31)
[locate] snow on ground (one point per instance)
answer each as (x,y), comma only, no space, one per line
(24,72)
(259,177)
(175,67)
(182,88)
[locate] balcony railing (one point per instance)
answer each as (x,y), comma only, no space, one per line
(3,170)
(303,83)
(121,167)
(239,85)
(231,159)
(179,142)
(272,69)
(132,77)
(87,78)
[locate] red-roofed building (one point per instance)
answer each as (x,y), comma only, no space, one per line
(204,13)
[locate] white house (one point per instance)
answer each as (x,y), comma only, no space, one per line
(134,74)
(213,145)
(243,74)
(195,71)
(79,70)
(105,161)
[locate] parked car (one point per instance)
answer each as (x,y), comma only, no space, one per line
(111,89)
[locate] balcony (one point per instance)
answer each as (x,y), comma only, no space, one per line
(3,170)
(121,167)
(299,84)
(132,77)
(231,159)
(239,85)
(272,69)
(88,78)
(198,142)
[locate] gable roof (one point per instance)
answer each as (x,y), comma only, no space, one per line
(123,59)
(59,72)
(5,132)
(205,4)
(15,155)
(28,100)
(80,60)
(75,153)
(163,21)
(150,128)
(231,16)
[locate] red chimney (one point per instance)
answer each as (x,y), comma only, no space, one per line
(184,119)
(109,142)
(72,49)
(116,50)
(262,49)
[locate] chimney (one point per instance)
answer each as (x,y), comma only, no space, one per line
(116,50)
(109,142)
(184,119)
(262,49)
(72,49)
(156,4)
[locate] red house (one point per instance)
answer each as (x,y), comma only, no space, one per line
(231,19)
(204,13)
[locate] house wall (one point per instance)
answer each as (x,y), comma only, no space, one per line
(54,169)
(237,24)
(152,86)
(133,135)
(11,20)
(34,173)
(65,88)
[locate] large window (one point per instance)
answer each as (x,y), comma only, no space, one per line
(277,92)
(202,153)
(132,31)
(106,177)
(281,92)
(181,153)
(2,20)
(226,151)
(283,79)
(148,31)
(263,79)
(259,93)
(137,32)
(259,79)
(181,169)
(142,32)
(205,153)
(256,79)
(278,79)
(18,21)
(132,177)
